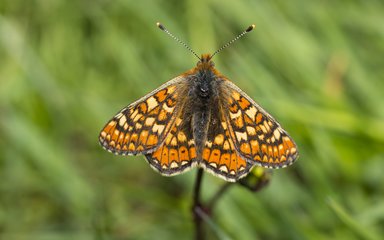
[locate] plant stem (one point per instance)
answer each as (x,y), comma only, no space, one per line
(197,206)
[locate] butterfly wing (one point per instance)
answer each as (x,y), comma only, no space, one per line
(177,154)
(256,135)
(142,126)
(219,155)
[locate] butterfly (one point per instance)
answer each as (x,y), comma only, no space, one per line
(200,119)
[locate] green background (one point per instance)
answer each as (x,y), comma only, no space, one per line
(66,67)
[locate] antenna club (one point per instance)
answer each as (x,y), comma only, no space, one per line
(161,26)
(250,28)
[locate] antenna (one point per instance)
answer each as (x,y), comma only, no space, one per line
(161,26)
(250,28)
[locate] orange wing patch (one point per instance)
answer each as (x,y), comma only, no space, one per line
(256,135)
(143,125)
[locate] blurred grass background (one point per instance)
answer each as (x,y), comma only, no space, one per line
(66,67)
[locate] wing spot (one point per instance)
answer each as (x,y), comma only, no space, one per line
(161,95)
(236,95)
(226,145)
(162,115)
(223,168)
(155,161)
(181,137)
(235,115)
(225,157)
(171,103)
(139,148)
(152,140)
(174,141)
(277,134)
(126,138)
(171,89)
(168,109)
(259,117)
(219,139)
(183,153)
(215,156)
(152,103)
(115,134)
(244,103)
(121,136)
(245,148)
(143,107)
(270,151)
(149,121)
(264,149)
(241,135)
(131,147)
(233,108)
(173,155)
(239,122)
(174,164)
(212,164)
(251,112)
(251,130)
(288,142)
(134,137)
(122,120)
(206,153)
(275,152)
(158,128)
(143,136)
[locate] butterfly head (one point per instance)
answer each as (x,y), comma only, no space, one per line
(205,62)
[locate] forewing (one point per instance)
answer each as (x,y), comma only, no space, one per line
(256,135)
(177,153)
(142,126)
(220,156)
